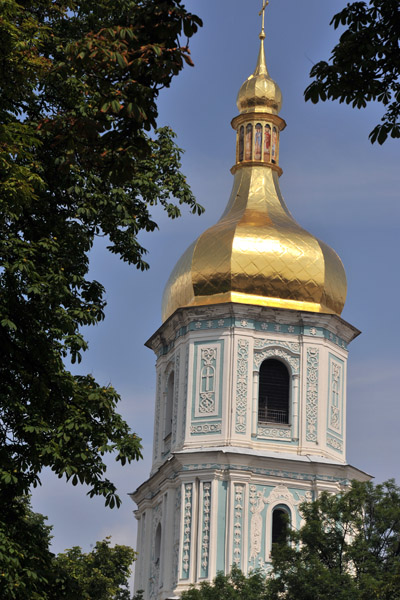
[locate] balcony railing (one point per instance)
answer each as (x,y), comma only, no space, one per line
(269,415)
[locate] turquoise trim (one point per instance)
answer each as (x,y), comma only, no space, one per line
(216,324)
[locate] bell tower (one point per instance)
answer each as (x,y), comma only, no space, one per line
(250,416)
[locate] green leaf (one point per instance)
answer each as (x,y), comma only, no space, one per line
(8,324)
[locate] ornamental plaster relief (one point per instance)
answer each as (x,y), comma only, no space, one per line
(242,377)
(274,433)
(277,352)
(206,428)
(257,501)
(334,443)
(205,537)
(264,343)
(207,382)
(282,495)
(312,394)
(238,524)
(335,407)
(252,325)
(187,530)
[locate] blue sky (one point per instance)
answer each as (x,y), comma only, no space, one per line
(336,184)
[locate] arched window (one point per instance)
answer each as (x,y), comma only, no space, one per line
(157,544)
(280,524)
(249,142)
(169,405)
(241,143)
(258,142)
(273,392)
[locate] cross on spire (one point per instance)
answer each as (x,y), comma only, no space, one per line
(262,14)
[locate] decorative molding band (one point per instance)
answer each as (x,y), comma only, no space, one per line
(312,395)
(316,332)
(187,530)
(205,428)
(265,472)
(238,524)
(242,376)
(274,433)
(205,538)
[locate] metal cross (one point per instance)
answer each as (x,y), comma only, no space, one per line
(262,12)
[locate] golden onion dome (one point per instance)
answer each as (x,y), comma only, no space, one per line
(257,253)
(260,93)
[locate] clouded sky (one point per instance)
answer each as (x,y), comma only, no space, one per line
(336,184)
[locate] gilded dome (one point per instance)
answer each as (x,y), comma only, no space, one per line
(257,253)
(260,93)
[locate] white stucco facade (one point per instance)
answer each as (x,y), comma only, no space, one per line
(219,472)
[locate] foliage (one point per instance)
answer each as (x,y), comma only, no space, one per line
(347,549)
(234,586)
(28,569)
(365,64)
(102,574)
(79,158)
(25,558)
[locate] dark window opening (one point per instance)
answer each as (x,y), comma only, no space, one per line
(279,526)
(273,392)
(157,545)
(169,406)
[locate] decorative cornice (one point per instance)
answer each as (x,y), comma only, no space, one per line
(263,318)
(254,116)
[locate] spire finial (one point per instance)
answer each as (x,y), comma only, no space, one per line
(261,68)
(262,14)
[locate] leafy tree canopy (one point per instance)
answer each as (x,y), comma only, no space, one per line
(365,64)
(347,549)
(234,586)
(29,570)
(102,574)
(80,157)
